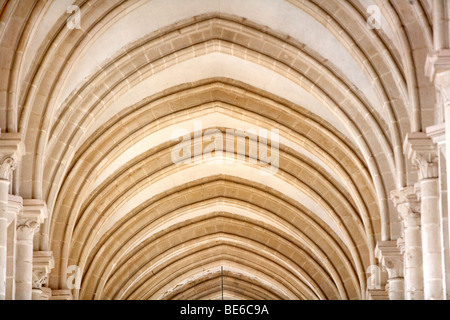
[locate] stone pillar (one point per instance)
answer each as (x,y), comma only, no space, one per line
(422,152)
(437,68)
(24,259)
(11,150)
(15,204)
(390,257)
(42,264)
(4,187)
(408,207)
(438,136)
(33,214)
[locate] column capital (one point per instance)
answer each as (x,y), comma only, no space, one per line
(390,257)
(34,212)
(43,263)
(423,154)
(437,62)
(11,151)
(26,227)
(407,202)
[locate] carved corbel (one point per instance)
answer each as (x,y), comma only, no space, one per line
(391,258)
(7,165)
(11,151)
(43,263)
(39,279)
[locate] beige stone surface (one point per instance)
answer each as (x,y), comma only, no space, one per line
(93,205)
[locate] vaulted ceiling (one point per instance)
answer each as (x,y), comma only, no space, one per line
(96,108)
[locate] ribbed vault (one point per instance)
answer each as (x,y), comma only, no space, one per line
(97,108)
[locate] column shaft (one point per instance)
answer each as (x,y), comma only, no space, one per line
(445,243)
(24,263)
(447,149)
(4,187)
(447,230)
(396,289)
(431,242)
(413,258)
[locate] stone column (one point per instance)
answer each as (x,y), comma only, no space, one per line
(11,150)
(423,154)
(438,70)
(391,259)
(24,259)
(408,207)
(33,214)
(4,187)
(442,84)
(438,136)
(15,204)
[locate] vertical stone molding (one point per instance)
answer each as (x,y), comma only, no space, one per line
(11,150)
(391,259)
(43,263)
(437,135)
(33,214)
(423,154)
(408,207)
(439,59)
